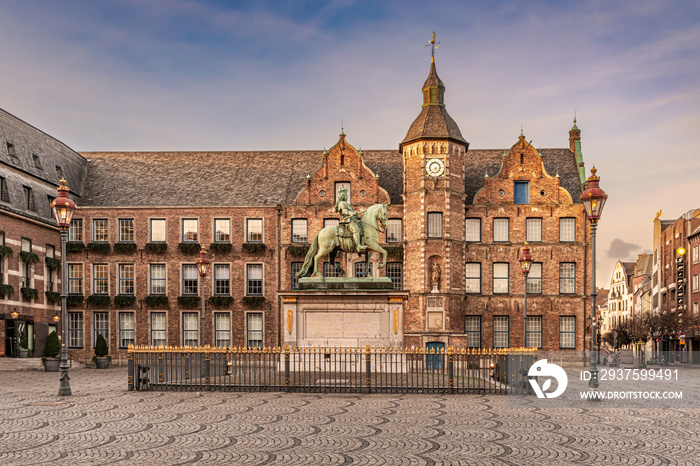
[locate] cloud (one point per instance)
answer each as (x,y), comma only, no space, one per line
(620,249)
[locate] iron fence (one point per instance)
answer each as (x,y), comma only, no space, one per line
(314,369)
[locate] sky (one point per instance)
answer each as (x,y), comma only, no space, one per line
(265,75)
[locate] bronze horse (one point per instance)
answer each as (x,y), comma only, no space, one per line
(327,242)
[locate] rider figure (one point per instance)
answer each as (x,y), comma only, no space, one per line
(349,218)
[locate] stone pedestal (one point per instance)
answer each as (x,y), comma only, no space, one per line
(343,312)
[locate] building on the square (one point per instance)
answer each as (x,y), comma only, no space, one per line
(31,165)
(672,278)
(458,220)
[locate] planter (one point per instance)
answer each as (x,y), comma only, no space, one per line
(23,353)
(51,364)
(102,363)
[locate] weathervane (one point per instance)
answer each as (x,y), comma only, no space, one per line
(433,45)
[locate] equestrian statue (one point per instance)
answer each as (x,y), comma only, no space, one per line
(355,234)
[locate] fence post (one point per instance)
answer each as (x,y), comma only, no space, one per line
(130,364)
(450,369)
(161,366)
(286,368)
(368,369)
(207,367)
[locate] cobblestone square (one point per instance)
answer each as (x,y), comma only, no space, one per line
(102,422)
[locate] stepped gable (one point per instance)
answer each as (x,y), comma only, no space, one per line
(482,161)
(254,178)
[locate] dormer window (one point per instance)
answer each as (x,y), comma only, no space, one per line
(37,162)
(59,172)
(11,150)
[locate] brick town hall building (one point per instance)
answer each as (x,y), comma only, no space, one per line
(140,223)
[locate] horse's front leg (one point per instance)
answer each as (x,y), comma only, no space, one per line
(368,270)
(383,262)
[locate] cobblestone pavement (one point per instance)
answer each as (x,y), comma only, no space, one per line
(104,423)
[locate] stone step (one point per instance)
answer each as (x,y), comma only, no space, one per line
(21,364)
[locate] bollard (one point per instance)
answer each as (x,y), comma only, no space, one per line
(130,384)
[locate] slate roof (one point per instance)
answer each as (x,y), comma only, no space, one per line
(643,266)
(561,161)
(433,121)
(20,171)
(259,178)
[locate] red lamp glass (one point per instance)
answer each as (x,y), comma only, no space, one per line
(525,260)
(593,198)
(203,263)
(63,206)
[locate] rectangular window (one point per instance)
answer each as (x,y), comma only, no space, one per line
(158,322)
(157,230)
(472,327)
(100,230)
(696,283)
(255,330)
(190,230)
(126,278)
(567,278)
(126,230)
(472,277)
(26,267)
(222,279)
(4,192)
(360,269)
(533,228)
(222,230)
(329,271)
(534,278)
(330,222)
(434,224)
(342,184)
(37,162)
(50,200)
(254,230)
(29,199)
(500,277)
(59,172)
(521,192)
(394,270)
(189,279)
(500,332)
(127,326)
(222,330)
(472,229)
(254,277)
(158,279)
(50,273)
(75,329)
(393,231)
(11,150)
(501,228)
(75,278)
(567,332)
(696,254)
(75,231)
(567,229)
(534,332)
(300,229)
(296,268)
(190,329)
(101,327)
(696,308)
(100,278)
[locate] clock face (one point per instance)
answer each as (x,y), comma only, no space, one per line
(434,167)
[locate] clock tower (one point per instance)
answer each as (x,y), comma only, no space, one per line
(433,153)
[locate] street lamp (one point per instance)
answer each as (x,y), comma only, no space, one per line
(525,263)
(203,267)
(63,208)
(593,199)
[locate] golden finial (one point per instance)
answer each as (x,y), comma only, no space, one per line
(433,45)
(63,186)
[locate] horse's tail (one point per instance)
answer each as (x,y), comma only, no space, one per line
(307,268)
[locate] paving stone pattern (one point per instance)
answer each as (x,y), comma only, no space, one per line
(104,423)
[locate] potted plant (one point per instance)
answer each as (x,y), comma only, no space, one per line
(51,352)
(101,358)
(23,346)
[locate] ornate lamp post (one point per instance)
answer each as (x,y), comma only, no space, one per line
(593,200)
(203,267)
(63,208)
(525,263)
